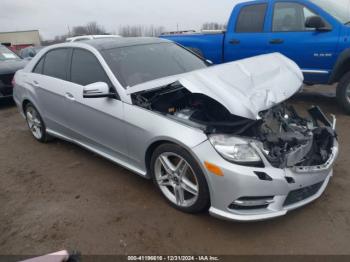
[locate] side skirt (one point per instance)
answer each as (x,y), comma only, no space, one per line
(107,156)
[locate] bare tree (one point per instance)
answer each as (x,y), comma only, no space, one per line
(79,30)
(139,30)
(213,26)
(93,28)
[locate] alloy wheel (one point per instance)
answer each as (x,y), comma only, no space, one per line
(34,122)
(176,179)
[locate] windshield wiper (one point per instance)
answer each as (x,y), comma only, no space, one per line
(347,23)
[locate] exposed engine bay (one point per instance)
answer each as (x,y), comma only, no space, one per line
(285,138)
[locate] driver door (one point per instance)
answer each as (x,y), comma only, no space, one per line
(96,122)
(314,51)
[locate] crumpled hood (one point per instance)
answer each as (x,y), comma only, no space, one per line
(11,66)
(245,87)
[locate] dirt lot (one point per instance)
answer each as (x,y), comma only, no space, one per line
(59,196)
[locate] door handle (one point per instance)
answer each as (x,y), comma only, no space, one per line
(70,96)
(234,42)
(276,41)
(35,83)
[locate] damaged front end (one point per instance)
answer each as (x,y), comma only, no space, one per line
(289,140)
(284,137)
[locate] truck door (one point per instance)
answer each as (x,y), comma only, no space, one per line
(246,36)
(313,50)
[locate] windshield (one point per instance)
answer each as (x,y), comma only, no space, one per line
(133,65)
(7,54)
(339,8)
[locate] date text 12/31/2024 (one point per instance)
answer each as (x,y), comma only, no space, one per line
(173,258)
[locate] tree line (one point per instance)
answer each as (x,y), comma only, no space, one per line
(93,28)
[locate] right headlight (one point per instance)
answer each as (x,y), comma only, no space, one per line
(234,149)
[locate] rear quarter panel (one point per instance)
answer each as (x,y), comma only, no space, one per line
(23,91)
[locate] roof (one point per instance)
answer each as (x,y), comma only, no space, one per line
(24,31)
(69,39)
(110,43)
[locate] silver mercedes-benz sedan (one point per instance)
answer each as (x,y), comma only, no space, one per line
(211,137)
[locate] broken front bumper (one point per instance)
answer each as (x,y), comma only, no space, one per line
(285,190)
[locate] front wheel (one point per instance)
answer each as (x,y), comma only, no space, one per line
(179,178)
(343,92)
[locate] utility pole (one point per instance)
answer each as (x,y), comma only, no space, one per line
(69,33)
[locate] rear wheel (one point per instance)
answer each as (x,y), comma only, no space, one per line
(36,124)
(343,92)
(179,178)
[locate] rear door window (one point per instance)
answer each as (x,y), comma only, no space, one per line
(38,69)
(251,19)
(56,63)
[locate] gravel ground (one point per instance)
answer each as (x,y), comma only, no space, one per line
(58,196)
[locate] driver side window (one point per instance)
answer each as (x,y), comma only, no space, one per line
(291,17)
(86,69)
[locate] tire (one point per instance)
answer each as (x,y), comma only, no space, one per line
(343,92)
(36,124)
(187,177)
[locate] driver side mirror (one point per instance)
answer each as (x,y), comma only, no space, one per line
(316,22)
(97,90)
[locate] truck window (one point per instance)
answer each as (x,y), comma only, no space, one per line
(290,17)
(251,19)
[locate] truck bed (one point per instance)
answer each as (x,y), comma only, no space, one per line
(209,42)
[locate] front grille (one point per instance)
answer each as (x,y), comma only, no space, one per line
(302,193)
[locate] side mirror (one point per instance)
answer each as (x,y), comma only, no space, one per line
(209,62)
(97,90)
(317,23)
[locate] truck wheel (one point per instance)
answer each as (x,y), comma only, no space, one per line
(343,92)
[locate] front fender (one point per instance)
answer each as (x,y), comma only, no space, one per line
(341,67)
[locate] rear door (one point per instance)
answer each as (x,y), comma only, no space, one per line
(96,122)
(49,79)
(314,51)
(246,35)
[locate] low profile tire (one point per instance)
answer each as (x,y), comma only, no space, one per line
(179,178)
(36,124)
(343,92)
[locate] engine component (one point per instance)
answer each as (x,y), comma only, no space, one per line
(185,113)
(284,137)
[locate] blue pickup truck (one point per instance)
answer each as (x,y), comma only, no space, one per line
(313,33)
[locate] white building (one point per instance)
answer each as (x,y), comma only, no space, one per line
(20,39)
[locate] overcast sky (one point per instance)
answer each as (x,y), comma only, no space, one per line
(52,17)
